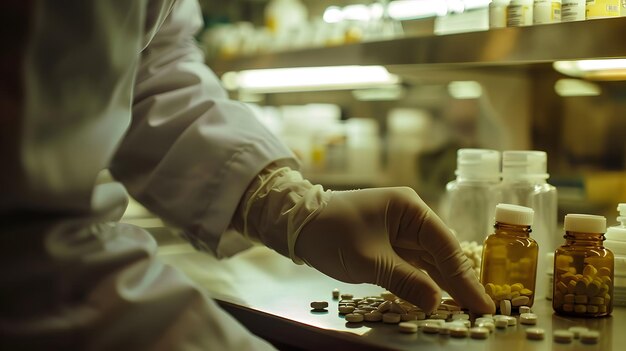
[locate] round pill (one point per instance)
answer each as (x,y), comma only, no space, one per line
(483,319)
(319,305)
(430,328)
(535,333)
(373,316)
(460,316)
(354,318)
(440,322)
(479,333)
(501,323)
(577,331)
(335,294)
(528,318)
(384,307)
(563,336)
(407,327)
(505,307)
(391,318)
(489,325)
(511,321)
(458,331)
(520,301)
(347,296)
(419,315)
(524,309)
(346,309)
(589,337)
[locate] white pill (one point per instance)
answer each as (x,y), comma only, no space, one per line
(524,309)
(407,328)
(391,318)
(505,307)
(501,323)
(483,319)
(458,331)
(563,336)
(438,321)
(535,333)
(589,337)
(460,316)
(463,322)
(384,307)
(388,296)
(319,305)
(360,311)
(520,301)
(347,296)
(440,316)
(489,325)
(578,330)
(397,308)
(511,321)
(335,294)
(419,315)
(528,318)
(430,328)
(346,309)
(373,316)
(479,333)
(354,318)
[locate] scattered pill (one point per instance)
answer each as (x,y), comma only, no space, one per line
(458,331)
(479,333)
(528,318)
(563,336)
(408,328)
(501,323)
(430,328)
(511,321)
(524,309)
(374,316)
(589,337)
(419,315)
(577,330)
(319,305)
(489,325)
(505,307)
(335,294)
(388,296)
(346,296)
(460,316)
(391,318)
(535,333)
(520,301)
(354,318)
(360,311)
(385,306)
(346,309)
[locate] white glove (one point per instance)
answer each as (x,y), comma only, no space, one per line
(376,236)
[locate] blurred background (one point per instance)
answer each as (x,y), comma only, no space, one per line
(382,93)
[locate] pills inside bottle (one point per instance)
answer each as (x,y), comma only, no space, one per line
(583,269)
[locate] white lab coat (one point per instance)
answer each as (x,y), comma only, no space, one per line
(119,85)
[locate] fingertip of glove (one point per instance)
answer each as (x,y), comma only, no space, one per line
(430,301)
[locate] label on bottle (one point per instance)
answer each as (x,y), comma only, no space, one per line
(547,11)
(519,15)
(497,15)
(573,10)
(602,8)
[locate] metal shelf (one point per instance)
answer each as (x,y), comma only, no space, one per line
(497,47)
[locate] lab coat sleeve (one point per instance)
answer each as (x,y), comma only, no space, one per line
(190,152)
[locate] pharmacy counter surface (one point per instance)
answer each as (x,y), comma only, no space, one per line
(271,296)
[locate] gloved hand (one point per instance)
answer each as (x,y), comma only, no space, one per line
(379,236)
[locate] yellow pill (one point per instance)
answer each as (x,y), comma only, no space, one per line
(594,288)
(590,271)
(569,298)
(565,278)
(581,287)
(517,287)
(568,307)
(490,289)
(562,287)
(506,288)
(592,309)
(580,308)
(581,299)
(597,300)
(526,292)
(606,279)
(604,271)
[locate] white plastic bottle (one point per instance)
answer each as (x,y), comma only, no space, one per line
(616,242)
(524,183)
(468,206)
(547,11)
(519,13)
(497,13)
(573,10)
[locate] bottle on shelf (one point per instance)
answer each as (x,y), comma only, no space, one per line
(573,10)
(468,204)
(519,13)
(546,11)
(583,269)
(616,242)
(524,183)
(509,263)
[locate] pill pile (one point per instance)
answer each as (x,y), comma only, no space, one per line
(508,297)
(586,293)
(449,320)
(474,253)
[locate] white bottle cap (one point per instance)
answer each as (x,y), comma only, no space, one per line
(514,214)
(478,164)
(583,223)
(524,164)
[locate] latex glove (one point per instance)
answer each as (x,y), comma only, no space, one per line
(376,236)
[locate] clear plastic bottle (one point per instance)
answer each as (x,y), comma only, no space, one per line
(469,202)
(524,183)
(509,264)
(583,269)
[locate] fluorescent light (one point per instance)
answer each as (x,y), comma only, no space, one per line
(390,93)
(415,9)
(576,87)
(309,79)
(333,14)
(606,69)
(468,89)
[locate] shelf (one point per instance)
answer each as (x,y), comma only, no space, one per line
(506,46)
